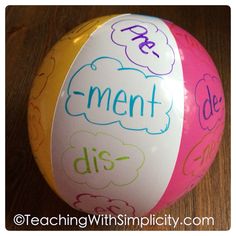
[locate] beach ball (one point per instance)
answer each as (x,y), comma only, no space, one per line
(125,115)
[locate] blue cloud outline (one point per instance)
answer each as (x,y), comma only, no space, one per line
(93,66)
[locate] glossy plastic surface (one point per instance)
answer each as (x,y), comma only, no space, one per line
(178,151)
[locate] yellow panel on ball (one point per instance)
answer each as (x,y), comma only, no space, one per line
(45,90)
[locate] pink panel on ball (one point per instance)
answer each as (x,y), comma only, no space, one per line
(204,117)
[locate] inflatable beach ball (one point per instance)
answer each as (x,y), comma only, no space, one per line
(125,115)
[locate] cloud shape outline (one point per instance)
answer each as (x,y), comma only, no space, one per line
(208,127)
(212,138)
(108,199)
(111,182)
(93,66)
(132,60)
